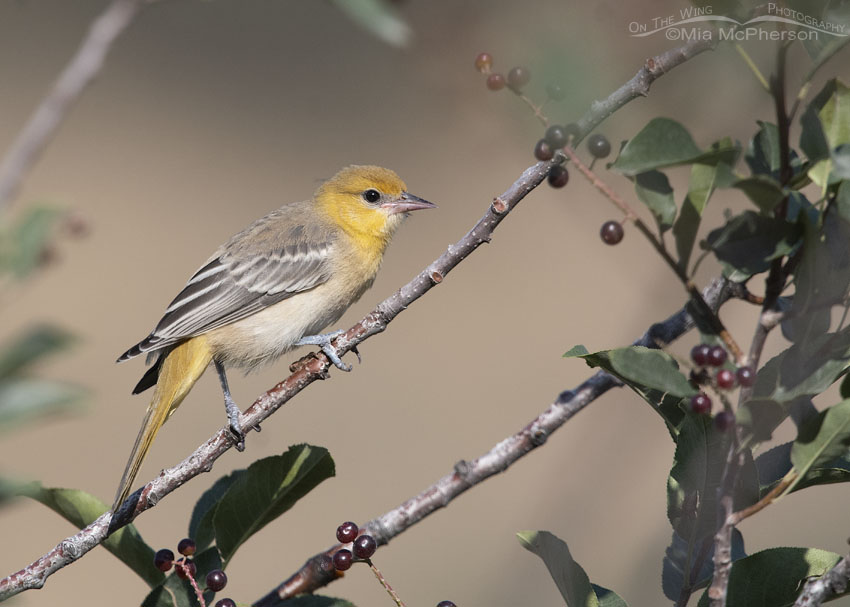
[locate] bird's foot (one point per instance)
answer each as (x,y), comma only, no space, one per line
(236,432)
(324,343)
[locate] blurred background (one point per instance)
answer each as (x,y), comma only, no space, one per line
(209,114)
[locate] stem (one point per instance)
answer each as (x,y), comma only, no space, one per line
(385,584)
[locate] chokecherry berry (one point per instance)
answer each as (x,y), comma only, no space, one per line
(495,82)
(343,560)
(556,136)
(518,77)
(364,546)
(226,602)
(725,379)
(724,420)
(699,354)
(446,604)
(483,62)
(598,145)
(558,176)
(163,559)
(746,376)
(187,546)
(717,356)
(216,580)
(543,151)
(555,91)
(347,532)
(700,404)
(699,377)
(611,232)
(187,570)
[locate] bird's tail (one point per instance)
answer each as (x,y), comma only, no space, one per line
(182,367)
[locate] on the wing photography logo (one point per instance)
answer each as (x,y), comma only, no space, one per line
(777,23)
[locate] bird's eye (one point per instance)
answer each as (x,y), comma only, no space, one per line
(371,195)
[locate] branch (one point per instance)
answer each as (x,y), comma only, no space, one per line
(305,372)
(50,113)
(829,585)
(498,459)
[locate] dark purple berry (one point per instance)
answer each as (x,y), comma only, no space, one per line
(558,176)
(446,604)
(746,376)
(226,602)
(163,559)
(216,580)
(518,77)
(699,377)
(364,546)
(598,146)
(724,420)
(699,354)
(717,356)
(555,91)
(611,232)
(187,546)
(346,532)
(186,568)
(556,136)
(543,151)
(483,62)
(343,560)
(700,404)
(725,379)
(495,82)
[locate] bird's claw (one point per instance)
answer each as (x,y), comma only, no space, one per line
(324,342)
(237,436)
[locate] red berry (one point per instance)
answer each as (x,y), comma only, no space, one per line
(725,379)
(364,546)
(700,404)
(186,568)
(495,82)
(598,145)
(556,136)
(746,376)
(483,62)
(347,532)
(343,560)
(558,176)
(226,602)
(555,91)
(187,546)
(699,354)
(518,77)
(717,356)
(163,559)
(216,580)
(611,232)
(543,151)
(724,420)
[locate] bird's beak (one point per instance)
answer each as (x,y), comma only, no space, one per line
(407,202)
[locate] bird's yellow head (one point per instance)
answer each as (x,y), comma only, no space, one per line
(368,203)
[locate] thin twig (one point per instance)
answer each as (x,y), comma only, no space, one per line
(50,113)
(393,594)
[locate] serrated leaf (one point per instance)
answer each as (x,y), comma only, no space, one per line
(80,509)
(822,439)
(32,345)
(773,577)
(568,575)
(265,490)
(175,592)
(764,191)
(680,557)
(661,143)
(378,18)
(749,242)
(201,523)
(24,398)
(653,189)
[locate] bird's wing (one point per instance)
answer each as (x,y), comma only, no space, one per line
(241,281)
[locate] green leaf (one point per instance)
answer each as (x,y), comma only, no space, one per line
(32,345)
(763,152)
(661,143)
(265,490)
(568,575)
(764,191)
(27,240)
(822,439)
(378,18)
(840,163)
(680,557)
(80,509)
(201,523)
(175,592)
(651,373)
(653,189)
(607,597)
(749,242)
(826,125)
(24,398)
(773,577)
(842,201)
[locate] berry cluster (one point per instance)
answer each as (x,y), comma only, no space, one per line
(706,357)
(362,549)
(185,568)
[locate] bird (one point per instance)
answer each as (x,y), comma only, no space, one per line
(270,288)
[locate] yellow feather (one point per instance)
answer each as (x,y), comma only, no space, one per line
(183,366)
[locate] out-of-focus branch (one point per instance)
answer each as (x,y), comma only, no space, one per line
(80,71)
(467,474)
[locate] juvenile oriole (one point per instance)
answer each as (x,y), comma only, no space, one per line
(273,286)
